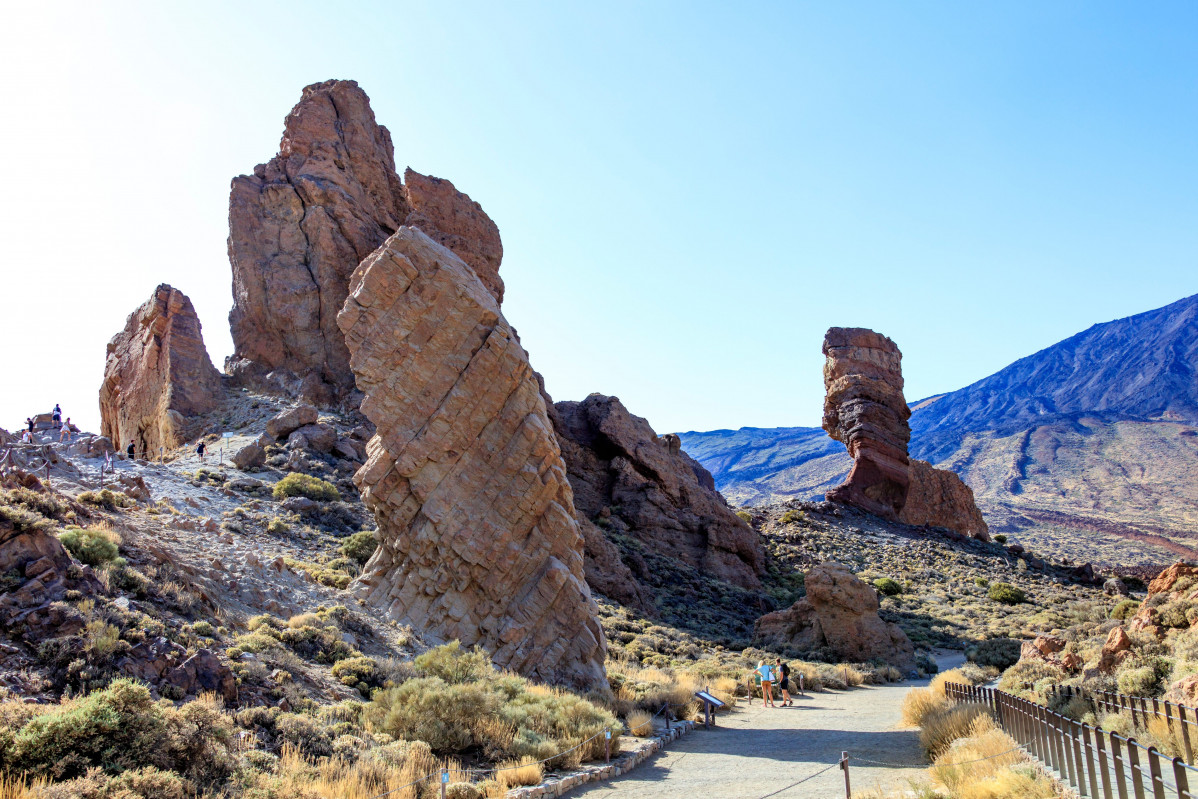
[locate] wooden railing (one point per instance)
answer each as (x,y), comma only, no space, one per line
(1181,720)
(1093,762)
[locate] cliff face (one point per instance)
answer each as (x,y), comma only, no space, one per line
(864,409)
(300,225)
(632,482)
(940,498)
(157,375)
(478,540)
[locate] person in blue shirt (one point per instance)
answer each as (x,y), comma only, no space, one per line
(767,683)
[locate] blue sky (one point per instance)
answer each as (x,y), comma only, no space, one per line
(689,194)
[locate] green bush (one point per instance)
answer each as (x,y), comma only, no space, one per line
(1006,594)
(203,628)
(107,499)
(453,665)
(24,520)
(359,546)
(981,582)
(887,586)
(277,526)
(1139,681)
(303,485)
(90,545)
(1000,538)
(745,516)
(358,672)
(46,504)
(791,516)
(1001,653)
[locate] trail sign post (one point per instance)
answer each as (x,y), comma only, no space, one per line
(710,705)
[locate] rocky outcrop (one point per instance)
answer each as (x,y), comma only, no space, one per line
(477,537)
(158,377)
(840,616)
(302,222)
(940,498)
(37,572)
(865,410)
(632,482)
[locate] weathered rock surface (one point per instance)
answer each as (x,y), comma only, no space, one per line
(158,376)
(1167,580)
(864,409)
(477,537)
(300,225)
(940,498)
(39,572)
(633,482)
(839,614)
(286,422)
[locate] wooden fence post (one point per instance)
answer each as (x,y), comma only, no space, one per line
(1133,765)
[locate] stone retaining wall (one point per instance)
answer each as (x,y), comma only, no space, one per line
(641,750)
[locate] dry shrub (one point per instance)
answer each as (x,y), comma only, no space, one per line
(941,680)
(513,774)
(940,728)
(982,766)
(640,723)
(920,703)
(299,777)
(853,676)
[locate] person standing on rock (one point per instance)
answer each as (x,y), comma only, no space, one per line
(767,683)
(29,424)
(200,451)
(65,432)
(56,416)
(783,671)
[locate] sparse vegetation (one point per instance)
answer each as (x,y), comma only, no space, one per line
(1006,594)
(107,499)
(296,484)
(92,545)
(360,546)
(888,587)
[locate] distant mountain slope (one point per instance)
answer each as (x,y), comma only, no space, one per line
(1086,449)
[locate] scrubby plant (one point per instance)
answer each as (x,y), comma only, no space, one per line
(939,729)
(1001,653)
(791,516)
(277,526)
(888,586)
(1006,594)
(91,545)
(745,516)
(297,484)
(107,499)
(359,546)
(1125,609)
(1000,538)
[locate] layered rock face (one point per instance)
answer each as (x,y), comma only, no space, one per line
(839,614)
(864,409)
(628,479)
(477,534)
(158,375)
(300,225)
(940,498)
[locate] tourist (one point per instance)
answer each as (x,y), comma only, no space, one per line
(200,451)
(784,680)
(131,449)
(27,437)
(56,416)
(66,432)
(767,683)
(29,424)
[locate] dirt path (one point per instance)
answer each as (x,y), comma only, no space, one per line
(758,753)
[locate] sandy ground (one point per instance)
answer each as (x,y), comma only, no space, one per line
(757,753)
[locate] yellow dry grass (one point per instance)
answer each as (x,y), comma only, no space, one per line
(513,774)
(301,777)
(983,766)
(920,703)
(640,723)
(942,727)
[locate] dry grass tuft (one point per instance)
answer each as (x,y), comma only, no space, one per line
(940,728)
(525,772)
(640,723)
(1004,774)
(920,703)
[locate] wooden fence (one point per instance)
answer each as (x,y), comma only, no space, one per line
(1103,765)
(1181,720)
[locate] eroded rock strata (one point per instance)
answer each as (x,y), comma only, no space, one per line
(478,540)
(157,375)
(865,410)
(300,225)
(840,616)
(633,482)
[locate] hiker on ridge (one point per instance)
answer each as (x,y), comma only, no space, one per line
(200,450)
(56,416)
(65,432)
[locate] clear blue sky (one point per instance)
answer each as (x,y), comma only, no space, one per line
(689,193)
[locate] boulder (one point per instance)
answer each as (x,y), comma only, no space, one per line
(319,437)
(1042,648)
(864,409)
(157,376)
(840,614)
(1115,587)
(300,225)
(1167,580)
(940,498)
(283,424)
(250,455)
(643,485)
(1184,691)
(1115,650)
(477,537)
(134,486)
(38,572)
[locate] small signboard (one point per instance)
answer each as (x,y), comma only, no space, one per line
(227,435)
(706,697)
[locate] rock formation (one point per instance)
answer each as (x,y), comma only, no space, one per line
(940,498)
(300,225)
(477,538)
(631,481)
(865,410)
(840,615)
(158,376)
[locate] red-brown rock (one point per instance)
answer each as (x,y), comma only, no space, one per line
(632,482)
(300,225)
(158,376)
(839,614)
(864,409)
(1166,580)
(1116,649)
(940,498)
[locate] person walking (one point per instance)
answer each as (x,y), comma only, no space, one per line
(131,449)
(767,683)
(65,432)
(200,451)
(784,681)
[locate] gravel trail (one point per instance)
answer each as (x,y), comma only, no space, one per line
(757,753)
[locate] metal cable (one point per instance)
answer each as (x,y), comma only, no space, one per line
(800,782)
